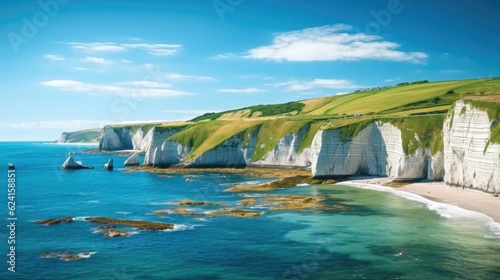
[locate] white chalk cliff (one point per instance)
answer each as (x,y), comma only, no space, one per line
(468,158)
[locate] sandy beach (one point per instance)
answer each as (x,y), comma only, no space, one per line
(468,199)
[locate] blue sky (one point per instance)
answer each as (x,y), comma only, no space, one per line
(75,64)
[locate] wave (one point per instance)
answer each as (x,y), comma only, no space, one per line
(93,201)
(86,255)
(180,227)
(444,210)
(123,212)
(82,218)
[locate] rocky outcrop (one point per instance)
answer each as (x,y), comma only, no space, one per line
(109,165)
(70,164)
(470,160)
(133,160)
(145,139)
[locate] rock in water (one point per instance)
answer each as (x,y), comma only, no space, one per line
(109,165)
(71,164)
(133,160)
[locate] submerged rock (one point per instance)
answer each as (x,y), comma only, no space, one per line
(144,225)
(67,256)
(50,222)
(111,231)
(133,160)
(109,165)
(71,164)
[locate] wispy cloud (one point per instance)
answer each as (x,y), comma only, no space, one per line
(57,124)
(295,85)
(190,112)
(136,89)
(224,56)
(452,71)
(153,49)
(97,60)
(392,80)
(181,77)
(240,90)
(331,43)
(54,57)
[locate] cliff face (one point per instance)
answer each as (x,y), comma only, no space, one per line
(148,140)
(469,159)
(378,149)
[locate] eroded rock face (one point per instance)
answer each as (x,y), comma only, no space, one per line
(469,159)
(133,160)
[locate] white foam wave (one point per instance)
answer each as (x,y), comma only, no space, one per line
(93,201)
(86,255)
(303,185)
(180,227)
(123,212)
(160,203)
(82,218)
(444,210)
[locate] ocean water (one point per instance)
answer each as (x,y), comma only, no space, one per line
(438,241)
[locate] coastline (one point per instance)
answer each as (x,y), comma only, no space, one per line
(468,199)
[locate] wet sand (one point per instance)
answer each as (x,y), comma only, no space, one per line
(467,198)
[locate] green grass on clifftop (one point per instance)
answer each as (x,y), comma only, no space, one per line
(83,136)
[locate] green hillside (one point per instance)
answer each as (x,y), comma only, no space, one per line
(421,105)
(82,136)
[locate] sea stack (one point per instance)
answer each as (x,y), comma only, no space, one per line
(109,165)
(133,160)
(70,164)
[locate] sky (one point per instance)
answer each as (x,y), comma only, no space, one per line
(68,65)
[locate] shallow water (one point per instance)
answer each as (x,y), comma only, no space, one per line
(438,241)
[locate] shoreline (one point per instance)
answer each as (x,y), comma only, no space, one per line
(468,199)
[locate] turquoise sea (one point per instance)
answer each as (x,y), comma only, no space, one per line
(437,241)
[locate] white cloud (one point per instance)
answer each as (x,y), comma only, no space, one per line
(81,68)
(97,60)
(145,89)
(125,61)
(331,43)
(176,76)
(97,47)
(153,49)
(295,85)
(242,90)
(54,57)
